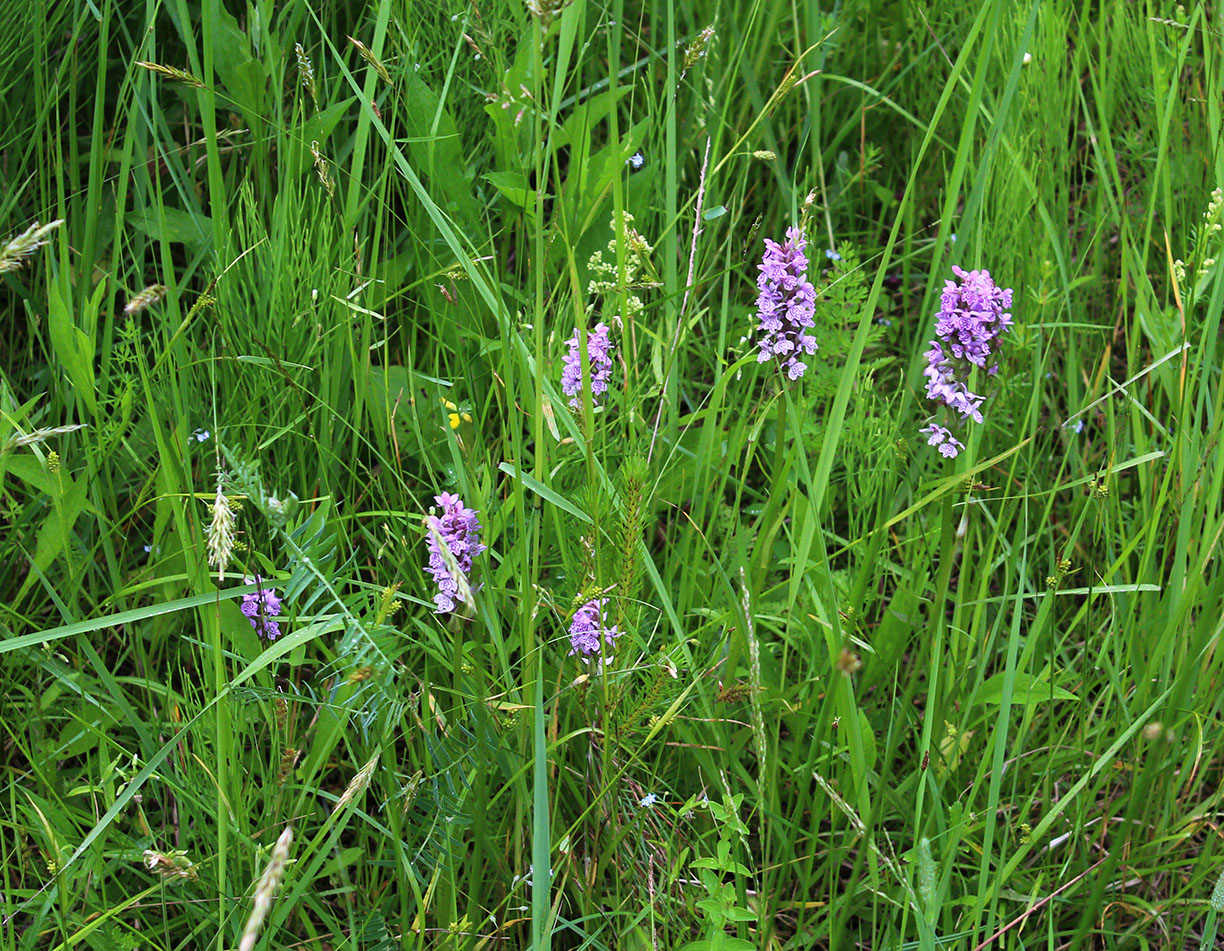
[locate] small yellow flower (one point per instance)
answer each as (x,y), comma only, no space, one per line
(456,415)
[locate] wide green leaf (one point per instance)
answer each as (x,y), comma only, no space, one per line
(1027,689)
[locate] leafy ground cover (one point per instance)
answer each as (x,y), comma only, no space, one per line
(395,506)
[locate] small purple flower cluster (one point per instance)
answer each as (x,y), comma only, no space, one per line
(942,439)
(587,627)
(786,303)
(599,353)
(972,315)
(459,529)
(259,608)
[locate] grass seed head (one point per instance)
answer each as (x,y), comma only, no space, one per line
(171,72)
(697,49)
(220,533)
(38,435)
(288,761)
(13,255)
(358,783)
(370,58)
(145,299)
(1217,894)
(172,866)
(266,888)
(306,73)
(322,170)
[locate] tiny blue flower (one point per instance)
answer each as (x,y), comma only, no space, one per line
(648,800)
(636,161)
(201,435)
(832,255)
(1079,426)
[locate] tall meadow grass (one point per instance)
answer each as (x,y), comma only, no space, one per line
(404,547)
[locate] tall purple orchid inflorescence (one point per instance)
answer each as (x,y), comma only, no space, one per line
(458,529)
(786,303)
(259,608)
(972,315)
(599,353)
(587,627)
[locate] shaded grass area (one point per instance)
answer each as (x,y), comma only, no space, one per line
(864,696)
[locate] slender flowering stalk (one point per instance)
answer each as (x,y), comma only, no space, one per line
(266,888)
(587,628)
(972,315)
(599,354)
(454,540)
(760,738)
(786,303)
(259,608)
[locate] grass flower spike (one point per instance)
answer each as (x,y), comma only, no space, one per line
(265,889)
(786,303)
(599,353)
(972,315)
(221,536)
(145,299)
(14,253)
(457,530)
